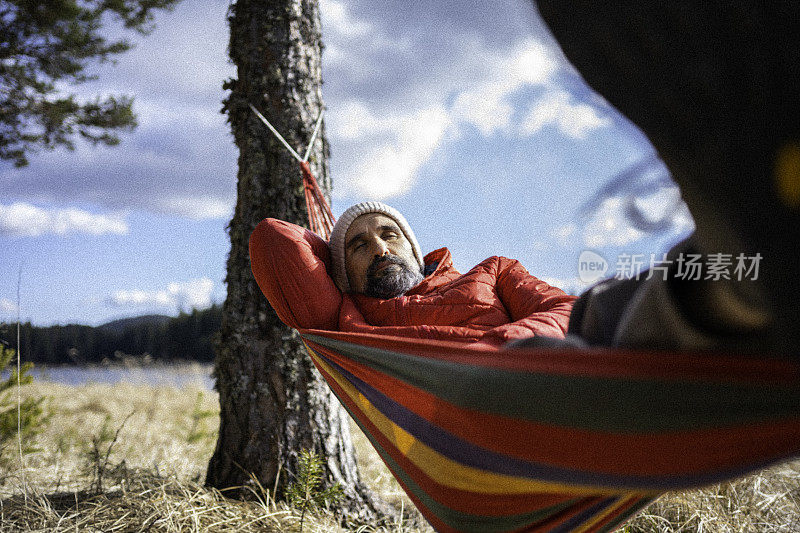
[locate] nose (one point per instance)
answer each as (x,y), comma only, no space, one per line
(379,248)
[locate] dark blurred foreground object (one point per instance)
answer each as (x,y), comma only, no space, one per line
(715,86)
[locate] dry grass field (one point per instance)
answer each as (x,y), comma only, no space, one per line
(151,479)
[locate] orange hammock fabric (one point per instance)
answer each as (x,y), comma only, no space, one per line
(486,439)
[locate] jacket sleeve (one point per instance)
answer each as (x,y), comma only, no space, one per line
(535,307)
(289,264)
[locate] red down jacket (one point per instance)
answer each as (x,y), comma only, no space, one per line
(496,301)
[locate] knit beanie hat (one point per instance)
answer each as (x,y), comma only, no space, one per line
(337,244)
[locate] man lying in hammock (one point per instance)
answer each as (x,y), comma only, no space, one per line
(388,287)
(376,259)
(381,283)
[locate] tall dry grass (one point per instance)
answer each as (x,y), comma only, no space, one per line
(765,502)
(153,481)
(156,467)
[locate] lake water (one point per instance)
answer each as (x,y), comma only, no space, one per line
(192,375)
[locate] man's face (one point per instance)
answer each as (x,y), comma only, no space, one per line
(378,258)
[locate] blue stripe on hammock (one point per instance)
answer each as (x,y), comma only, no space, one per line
(469,454)
(585,515)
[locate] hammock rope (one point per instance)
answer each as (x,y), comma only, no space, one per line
(320,217)
(492,440)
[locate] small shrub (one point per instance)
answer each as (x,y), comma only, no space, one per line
(306,492)
(97,455)
(198,430)
(33,414)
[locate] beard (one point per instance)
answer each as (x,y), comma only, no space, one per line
(395,279)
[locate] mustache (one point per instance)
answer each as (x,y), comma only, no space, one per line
(378,262)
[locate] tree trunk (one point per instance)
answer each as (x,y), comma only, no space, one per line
(273,402)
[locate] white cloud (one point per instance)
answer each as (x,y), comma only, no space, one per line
(556,108)
(26,220)
(487,106)
(351,42)
(611,223)
(664,208)
(334,55)
(682,221)
(337,17)
(7,306)
(389,169)
(192,294)
(563,233)
(354,120)
(396,144)
(197,208)
(609,226)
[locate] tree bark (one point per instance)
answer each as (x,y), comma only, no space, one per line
(273,402)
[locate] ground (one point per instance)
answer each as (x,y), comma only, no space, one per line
(151,479)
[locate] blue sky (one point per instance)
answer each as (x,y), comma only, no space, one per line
(465,117)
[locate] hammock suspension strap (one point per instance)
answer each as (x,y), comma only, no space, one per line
(320,217)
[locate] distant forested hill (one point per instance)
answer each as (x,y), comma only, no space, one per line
(187,336)
(119,326)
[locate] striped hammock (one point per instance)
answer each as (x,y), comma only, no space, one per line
(490,440)
(550,440)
